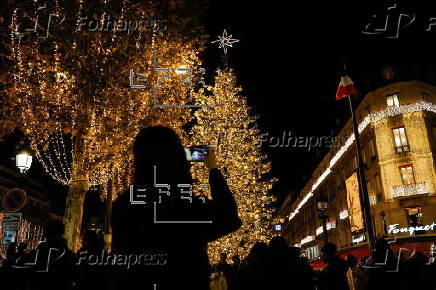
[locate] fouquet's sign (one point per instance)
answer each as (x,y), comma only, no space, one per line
(394,229)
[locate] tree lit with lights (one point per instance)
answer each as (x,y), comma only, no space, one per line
(232,130)
(69,92)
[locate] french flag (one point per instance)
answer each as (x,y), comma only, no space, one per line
(346,87)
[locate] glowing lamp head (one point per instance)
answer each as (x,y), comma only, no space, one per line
(23,162)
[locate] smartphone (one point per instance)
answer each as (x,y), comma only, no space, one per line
(196,153)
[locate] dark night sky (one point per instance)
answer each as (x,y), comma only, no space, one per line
(289,61)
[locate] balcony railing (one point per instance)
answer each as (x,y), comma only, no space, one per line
(409,189)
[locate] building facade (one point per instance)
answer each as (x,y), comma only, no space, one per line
(397,125)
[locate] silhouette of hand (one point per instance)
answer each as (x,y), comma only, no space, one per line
(210,159)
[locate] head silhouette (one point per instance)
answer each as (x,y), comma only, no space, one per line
(328,252)
(258,253)
(278,244)
(161,147)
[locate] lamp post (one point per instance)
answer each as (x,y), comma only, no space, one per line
(23,161)
(322,207)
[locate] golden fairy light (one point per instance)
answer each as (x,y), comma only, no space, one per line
(28,233)
(229,127)
(69,92)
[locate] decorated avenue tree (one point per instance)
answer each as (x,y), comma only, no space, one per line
(229,127)
(66,85)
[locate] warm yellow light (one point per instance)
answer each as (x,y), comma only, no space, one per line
(23,161)
(182,70)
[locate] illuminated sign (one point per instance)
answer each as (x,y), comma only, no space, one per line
(343,214)
(359,239)
(330,225)
(319,231)
(278,227)
(393,229)
(307,240)
(353,200)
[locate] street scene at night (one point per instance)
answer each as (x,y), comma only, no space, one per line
(217,145)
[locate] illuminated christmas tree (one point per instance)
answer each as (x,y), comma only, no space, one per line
(232,130)
(68,85)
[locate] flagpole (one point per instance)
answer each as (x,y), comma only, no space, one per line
(363,192)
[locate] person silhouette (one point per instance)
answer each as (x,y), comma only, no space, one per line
(176,249)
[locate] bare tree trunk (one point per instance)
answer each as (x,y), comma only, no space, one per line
(79,185)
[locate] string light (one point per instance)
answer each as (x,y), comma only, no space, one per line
(409,189)
(76,86)
(232,131)
(28,233)
(307,239)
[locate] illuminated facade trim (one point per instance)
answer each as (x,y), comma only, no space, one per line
(307,239)
(370,118)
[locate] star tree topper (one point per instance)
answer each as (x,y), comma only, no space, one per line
(225,41)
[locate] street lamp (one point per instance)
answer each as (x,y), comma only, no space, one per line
(322,207)
(23,162)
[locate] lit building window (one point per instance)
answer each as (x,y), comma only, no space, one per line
(400,137)
(343,214)
(414,216)
(407,175)
(358,239)
(312,252)
(392,100)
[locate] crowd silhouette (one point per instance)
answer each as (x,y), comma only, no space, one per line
(147,254)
